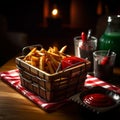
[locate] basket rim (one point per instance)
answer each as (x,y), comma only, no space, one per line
(19,58)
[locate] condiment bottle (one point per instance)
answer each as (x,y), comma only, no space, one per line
(111,37)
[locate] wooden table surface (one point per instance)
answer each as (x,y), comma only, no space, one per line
(14,106)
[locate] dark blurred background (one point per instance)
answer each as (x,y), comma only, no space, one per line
(31,22)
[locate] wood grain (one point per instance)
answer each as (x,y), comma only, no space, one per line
(14,106)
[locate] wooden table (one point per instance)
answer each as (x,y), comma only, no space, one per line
(14,106)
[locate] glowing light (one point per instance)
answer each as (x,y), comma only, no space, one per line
(55,12)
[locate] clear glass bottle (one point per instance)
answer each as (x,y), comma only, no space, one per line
(111,37)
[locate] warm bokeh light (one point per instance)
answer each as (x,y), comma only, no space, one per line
(55,12)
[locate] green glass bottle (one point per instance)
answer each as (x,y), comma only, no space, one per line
(111,37)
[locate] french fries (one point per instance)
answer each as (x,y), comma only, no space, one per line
(46,60)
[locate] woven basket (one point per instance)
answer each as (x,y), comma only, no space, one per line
(52,87)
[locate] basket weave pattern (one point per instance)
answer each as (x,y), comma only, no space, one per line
(52,87)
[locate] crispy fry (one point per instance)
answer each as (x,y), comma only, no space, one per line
(55,49)
(42,50)
(50,49)
(34,61)
(39,53)
(50,67)
(42,63)
(28,61)
(56,56)
(34,58)
(29,54)
(62,50)
(46,60)
(54,61)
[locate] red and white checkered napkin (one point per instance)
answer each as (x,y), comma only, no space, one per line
(94,81)
(12,78)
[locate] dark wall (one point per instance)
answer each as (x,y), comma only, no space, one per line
(27,15)
(22,15)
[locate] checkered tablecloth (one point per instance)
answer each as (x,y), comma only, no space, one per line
(94,81)
(12,78)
